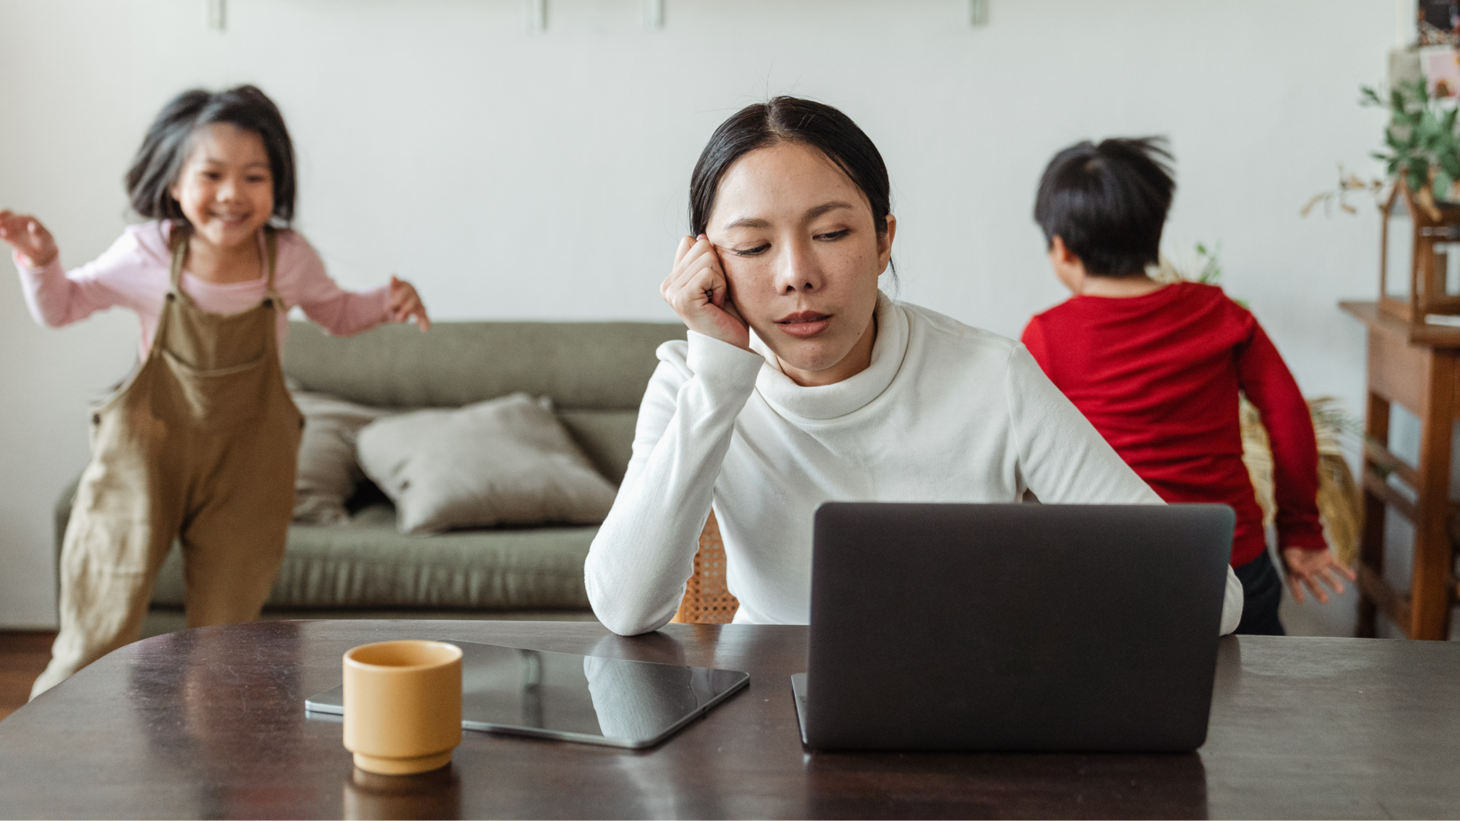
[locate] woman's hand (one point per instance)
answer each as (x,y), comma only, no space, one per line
(406,303)
(699,292)
(29,238)
(1308,567)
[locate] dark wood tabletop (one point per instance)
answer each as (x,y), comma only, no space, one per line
(210,723)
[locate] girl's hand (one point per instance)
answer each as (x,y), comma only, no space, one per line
(1308,567)
(29,238)
(406,303)
(699,292)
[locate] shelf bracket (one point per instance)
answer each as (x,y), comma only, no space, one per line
(536,15)
(978,12)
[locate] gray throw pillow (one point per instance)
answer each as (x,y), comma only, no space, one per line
(328,469)
(504,461)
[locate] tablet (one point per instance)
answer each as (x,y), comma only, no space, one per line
(570,697)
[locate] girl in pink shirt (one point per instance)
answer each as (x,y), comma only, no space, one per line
(200,443)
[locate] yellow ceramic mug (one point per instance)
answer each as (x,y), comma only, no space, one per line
(402,705)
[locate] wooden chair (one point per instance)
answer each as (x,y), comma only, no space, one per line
(706,599)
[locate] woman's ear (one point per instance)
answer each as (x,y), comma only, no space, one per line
(884,244)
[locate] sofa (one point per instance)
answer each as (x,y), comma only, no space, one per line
(594,372)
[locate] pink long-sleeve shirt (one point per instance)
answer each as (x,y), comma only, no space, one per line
(133,273)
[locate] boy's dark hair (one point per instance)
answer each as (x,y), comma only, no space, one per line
(1108,203)
(790,119)
(165,149)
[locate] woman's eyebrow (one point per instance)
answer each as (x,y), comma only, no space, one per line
(756,222)
(748,222)
(824,208)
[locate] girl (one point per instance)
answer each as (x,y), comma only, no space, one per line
(801,383)
(200,443)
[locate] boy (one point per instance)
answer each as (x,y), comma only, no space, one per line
(1157,368)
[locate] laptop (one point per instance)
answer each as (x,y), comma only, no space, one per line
(1013,626)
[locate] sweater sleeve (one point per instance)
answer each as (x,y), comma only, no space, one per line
(1270,386)
(338,311)
(1064,460)
(643,554)
(119,277)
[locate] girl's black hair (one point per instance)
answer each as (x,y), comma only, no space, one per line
(165,149)
(790,119)
(1108,203)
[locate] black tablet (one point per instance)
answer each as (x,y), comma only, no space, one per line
(566,696)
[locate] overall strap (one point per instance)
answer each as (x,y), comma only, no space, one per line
(178,240)
(271,259)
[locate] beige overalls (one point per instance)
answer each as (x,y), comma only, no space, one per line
(199,445)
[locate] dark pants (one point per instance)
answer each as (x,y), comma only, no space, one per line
(1262,590)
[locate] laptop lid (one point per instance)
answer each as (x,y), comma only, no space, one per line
(1014,626)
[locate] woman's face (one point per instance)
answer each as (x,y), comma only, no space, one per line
(802,255)
(226,188)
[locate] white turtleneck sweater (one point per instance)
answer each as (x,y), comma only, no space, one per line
(944,413)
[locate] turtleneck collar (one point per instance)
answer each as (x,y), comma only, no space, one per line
(844,397)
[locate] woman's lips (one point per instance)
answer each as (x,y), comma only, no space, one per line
(804,324)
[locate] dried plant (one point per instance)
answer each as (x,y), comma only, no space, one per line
(1348,183)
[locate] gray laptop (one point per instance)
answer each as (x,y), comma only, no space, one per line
(1013,627)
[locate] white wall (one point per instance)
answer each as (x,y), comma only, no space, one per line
(543,176)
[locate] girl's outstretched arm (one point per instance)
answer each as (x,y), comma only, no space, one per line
(302,281)
(55,297)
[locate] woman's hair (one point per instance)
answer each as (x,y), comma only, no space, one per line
(1108,203)
(790,119)
(165,149)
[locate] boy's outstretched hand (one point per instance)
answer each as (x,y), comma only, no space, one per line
(29,238)
(406,303)
(1309,567)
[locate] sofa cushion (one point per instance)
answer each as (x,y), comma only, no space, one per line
(365,562)
(504,461)
(328,470)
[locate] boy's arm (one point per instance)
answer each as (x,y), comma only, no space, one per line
(1270,386)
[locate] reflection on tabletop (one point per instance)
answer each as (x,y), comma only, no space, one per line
(434,794)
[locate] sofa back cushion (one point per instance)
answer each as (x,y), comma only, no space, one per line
(595,372)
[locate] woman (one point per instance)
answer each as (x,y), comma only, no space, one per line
(801,383)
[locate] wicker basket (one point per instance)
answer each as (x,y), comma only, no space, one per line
(706,599)
(1340,505)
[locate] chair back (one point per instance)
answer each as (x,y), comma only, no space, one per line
(706,598)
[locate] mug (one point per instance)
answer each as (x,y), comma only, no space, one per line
(402,705)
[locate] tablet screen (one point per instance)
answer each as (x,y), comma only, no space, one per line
(571,697)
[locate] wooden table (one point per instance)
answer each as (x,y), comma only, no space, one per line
(210,723)
(1418,367)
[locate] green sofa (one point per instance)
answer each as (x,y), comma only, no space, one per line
(595,373)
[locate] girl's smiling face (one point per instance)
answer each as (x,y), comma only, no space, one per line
(799,247)
(226,187)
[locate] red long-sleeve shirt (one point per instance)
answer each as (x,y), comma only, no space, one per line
(1158,376)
